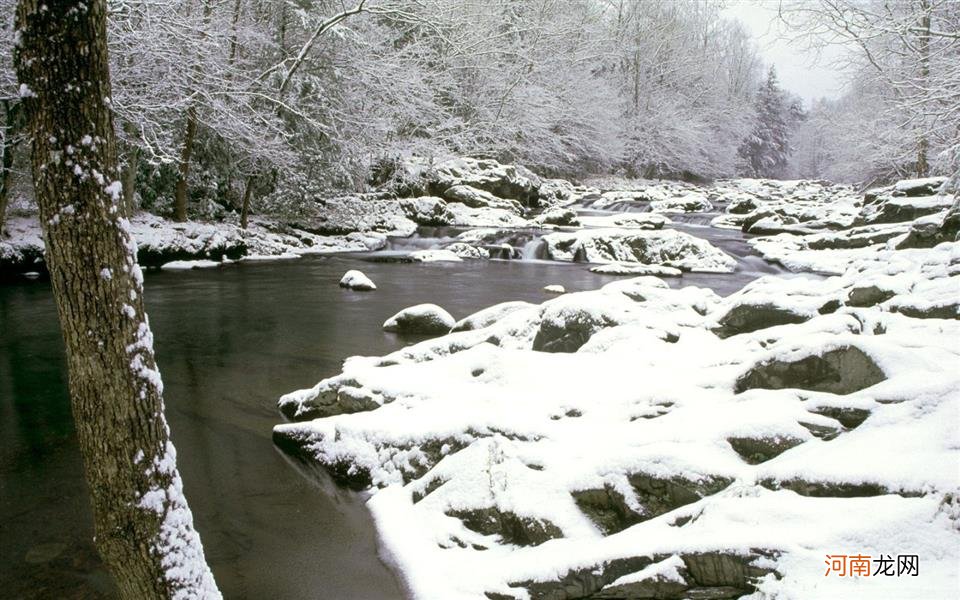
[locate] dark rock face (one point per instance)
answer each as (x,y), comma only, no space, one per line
(945,311)
(512,528)
(762,449)
(870,295)
(850,418)
(148,256)
(608,510)
(570,335)
(705,575)
(858,237)
(744,318)
(927,234)
(825,489)
(842,371)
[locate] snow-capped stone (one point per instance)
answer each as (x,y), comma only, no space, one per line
(475,198)
(467,251)
(691,202)
(512,182)
(554,289)
(187,265)
(357,280)
(435,256)
(427,319)
(490,316)
(925,186)
(667,247)
(558,216)
(635,269)
(646,220)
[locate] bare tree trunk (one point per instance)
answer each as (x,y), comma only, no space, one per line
(245,209)
(180,199)
(11,123)
(144,529)
(923,144)
(130,182)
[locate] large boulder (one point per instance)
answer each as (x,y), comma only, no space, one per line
(425,319)
(477,198)
(843,370)
(491,315)
(927,232)
(511,182)
(690,202)
(668,247)
(356,280)
(747,317)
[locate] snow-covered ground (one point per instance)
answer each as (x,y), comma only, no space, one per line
(639,441)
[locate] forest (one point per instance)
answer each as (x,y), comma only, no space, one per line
(222,104)
(480,299)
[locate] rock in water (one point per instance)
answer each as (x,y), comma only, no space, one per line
(427,319)
(554,289)
(636,269)
(356,280)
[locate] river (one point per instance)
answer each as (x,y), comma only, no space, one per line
(229,342)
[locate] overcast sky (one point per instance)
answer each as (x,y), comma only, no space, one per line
(800,71)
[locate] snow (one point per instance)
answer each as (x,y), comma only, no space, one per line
(635,269)
(434,256)
(357,280)
(634,386)
(665,247)
(186,265)
(554,289)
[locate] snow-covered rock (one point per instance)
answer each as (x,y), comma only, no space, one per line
(467,251)
(511,182)
(690,202)
(638,453)
(554,289)
(667,247)
(558,216)
(490,316)
(426,319)
(475,198)
(636,269)
(357,280)
(627,221)
(188,265)
(435,256)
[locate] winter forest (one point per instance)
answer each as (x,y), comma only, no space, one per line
(480,299)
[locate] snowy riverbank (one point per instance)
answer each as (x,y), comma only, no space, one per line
(639,441)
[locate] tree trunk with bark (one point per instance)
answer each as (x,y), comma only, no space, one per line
(11,138)
(923,143)
(180,198)
(144,529)
(245,208)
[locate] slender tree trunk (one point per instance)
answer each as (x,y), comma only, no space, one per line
(245,209)
(180,199)
(923,143)
(144,529)
(130,182)
(11,123)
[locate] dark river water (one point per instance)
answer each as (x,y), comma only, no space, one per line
(229,342)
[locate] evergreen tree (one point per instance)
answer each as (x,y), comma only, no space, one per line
(767,148)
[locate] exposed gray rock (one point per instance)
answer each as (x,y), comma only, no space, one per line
(476,198)
(744,318)
(842,371)
(512,528)
(756,450)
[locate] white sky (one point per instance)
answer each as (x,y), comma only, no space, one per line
(800,71)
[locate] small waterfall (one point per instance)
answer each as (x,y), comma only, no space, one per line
(535,249)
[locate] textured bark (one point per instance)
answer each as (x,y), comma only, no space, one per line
(180,199)
(144,529)
(11,138)
(129,205)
